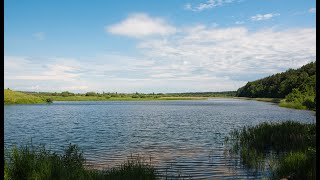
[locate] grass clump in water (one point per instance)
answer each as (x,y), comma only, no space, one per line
(289,147)
(32,162)
(132,169)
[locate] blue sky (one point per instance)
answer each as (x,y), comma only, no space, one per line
(153,46)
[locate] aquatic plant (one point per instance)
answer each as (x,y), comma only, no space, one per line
(30,162)
(282,147)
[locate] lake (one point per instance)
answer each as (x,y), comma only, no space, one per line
(184,137)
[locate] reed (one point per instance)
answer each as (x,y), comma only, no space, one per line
(289,146)
(32,162)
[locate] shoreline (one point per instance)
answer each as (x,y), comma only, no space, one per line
(279,101)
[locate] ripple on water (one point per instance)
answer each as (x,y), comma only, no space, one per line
(180,137)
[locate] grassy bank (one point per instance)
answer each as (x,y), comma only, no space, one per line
(13,97)
(287,148)
(273,100)
(38,163)
(292,105)
(281,102)
(97,98)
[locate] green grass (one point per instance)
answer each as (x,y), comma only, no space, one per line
(13,97)
(281,102)
(97,98)
(273,100)
(288,147)
(292,105)
(32,162)
(297,165)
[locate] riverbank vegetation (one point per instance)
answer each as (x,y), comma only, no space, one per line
(13,97)
(114,96)
(296,86)
(273,100)
(32,162)
(287,149)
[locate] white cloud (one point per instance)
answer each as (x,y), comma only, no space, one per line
(197,58)
(39,35)
(141,25)
(261,17)
(231,52)
(207,5)
(239,22)
(312,10)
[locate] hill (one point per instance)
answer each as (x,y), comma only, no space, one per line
(297,86)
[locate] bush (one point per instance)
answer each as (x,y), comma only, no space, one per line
(91,94)
(66,94)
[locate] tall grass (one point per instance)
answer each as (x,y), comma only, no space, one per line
(13,97)
(32,162)
(289,146)
(293,105)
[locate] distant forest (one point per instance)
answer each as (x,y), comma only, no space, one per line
(296,85)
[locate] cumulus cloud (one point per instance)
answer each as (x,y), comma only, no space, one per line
(207,5)
(262,17)
(39,35)
(312,10)
(235,53)
(141,25)
(197,58)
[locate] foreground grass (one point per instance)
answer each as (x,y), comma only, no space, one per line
(13,97)
(38,163)
(288,148)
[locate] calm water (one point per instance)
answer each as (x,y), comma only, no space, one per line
(183,137)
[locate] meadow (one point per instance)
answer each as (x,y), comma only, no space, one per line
(14,97)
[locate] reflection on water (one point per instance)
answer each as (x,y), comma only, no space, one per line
(178,137)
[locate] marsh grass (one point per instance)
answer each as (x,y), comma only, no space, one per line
(287,147)
(32,162)
(13,97)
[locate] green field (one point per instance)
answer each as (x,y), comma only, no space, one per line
(96,98)
(13,97)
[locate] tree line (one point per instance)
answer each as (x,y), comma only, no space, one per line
(295,85)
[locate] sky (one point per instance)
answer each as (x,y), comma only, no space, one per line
(153,46)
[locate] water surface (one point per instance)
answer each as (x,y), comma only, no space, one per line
(183,137)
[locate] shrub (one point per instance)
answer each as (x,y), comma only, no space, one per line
(66,94)
(91,94)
